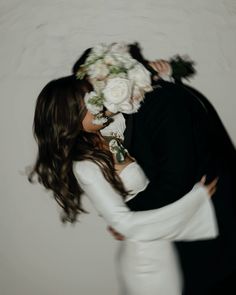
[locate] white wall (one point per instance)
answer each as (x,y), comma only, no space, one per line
(40,40)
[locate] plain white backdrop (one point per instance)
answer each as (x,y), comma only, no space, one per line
(40,40)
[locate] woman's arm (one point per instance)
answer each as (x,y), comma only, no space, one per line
(190,218)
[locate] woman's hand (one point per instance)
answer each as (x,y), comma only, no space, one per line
(211,187)
(162,67)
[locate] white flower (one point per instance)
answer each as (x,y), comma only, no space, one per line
(119,47)
(136,105)
(99,121)
(93,108)
(141,76)
(90,59)
(117,90)
(100,49)
(129,107)
(126,107)
(98,70)
(125,60)
(110,60)
(138,93)
(112,107)
(119,81)
(97,85)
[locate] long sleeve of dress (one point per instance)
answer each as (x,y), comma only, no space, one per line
(190,218)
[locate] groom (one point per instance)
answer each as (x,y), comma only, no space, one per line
(177,137)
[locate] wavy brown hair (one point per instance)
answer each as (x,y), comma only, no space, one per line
(59,133)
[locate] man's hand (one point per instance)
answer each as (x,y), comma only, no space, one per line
(162,67)
(115,234)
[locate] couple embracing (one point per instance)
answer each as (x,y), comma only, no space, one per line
(148,153)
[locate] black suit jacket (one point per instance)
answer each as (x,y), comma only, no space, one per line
(177,137)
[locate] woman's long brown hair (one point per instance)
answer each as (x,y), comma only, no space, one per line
(58,131)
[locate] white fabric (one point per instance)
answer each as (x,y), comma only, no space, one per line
(190,218)
(149,268)
(146,261)
(135,179)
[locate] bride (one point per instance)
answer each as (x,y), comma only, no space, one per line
(80,152)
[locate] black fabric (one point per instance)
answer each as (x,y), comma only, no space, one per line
(177,137)
(128,131)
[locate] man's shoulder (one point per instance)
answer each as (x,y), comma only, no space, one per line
(166,95)
(167,91)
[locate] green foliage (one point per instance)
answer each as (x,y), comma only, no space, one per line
(183,67)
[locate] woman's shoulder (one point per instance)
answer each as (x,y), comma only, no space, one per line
(85,170)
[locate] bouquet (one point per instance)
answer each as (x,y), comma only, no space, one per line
(119,81)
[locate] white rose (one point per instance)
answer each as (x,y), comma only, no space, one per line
(129,107)
(110,60)
(117,90)
(125,60)
(97,85)
(126,107)
(138,93)
(136,105)
(112,107)
(141,76)
(100,49)
(98,70)
(91,58)
(119,47)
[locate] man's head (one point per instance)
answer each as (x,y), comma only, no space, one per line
(134,50)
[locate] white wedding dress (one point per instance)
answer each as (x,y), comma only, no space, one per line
(146,261)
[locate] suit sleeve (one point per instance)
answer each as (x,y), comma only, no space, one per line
(172,222)
(170,133)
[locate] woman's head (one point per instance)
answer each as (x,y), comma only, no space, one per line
(60,109)
(64,133)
